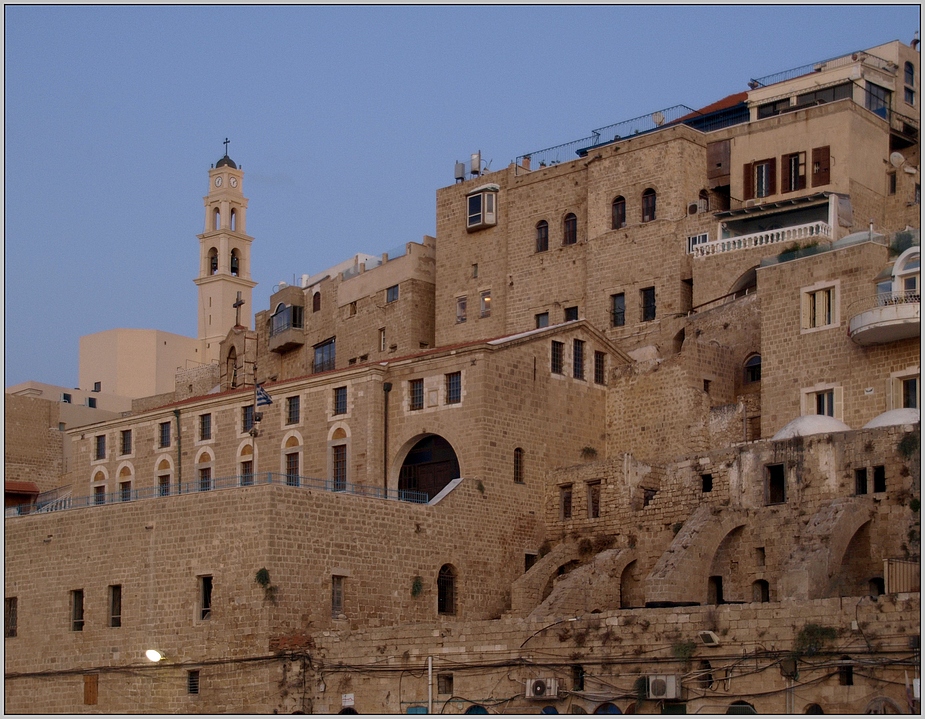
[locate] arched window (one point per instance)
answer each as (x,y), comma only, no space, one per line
(740,707)
(761,591)
(213,261)
(909,74)
(291,456)
(234,220)
(618,213)
(703,202)
(216,219)
(446,590)
(753,369)
(231,368)
(204,470)
(570,229)
(648,205)
(542,236)
(519,465)
(235,263)
(316,302)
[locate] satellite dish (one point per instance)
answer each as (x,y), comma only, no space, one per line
(658,118)
(896,159)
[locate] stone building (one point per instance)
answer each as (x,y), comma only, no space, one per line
(636,431)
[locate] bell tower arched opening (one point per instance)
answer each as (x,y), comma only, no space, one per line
(429,466)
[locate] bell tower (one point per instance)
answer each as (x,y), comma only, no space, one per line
(224,258)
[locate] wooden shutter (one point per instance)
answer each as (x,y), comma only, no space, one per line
(748,191)
(820,166)
(91,688)
(772,176)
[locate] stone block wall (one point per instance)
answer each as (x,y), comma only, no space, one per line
(33,444)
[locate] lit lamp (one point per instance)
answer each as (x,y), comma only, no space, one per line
(154,655)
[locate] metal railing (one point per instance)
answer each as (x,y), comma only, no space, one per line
(811,231)
(829,64)
(884,299)
(289,318)
(198,486)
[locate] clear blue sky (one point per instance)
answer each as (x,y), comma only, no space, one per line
(346,121)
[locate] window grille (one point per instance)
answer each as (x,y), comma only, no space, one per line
(453,388)
(340,400)
(416,389)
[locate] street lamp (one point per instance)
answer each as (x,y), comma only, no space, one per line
(154,655)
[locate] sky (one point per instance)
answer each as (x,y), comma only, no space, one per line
(345,119)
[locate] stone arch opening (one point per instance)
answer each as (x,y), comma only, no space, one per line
(746,283)
(429,466)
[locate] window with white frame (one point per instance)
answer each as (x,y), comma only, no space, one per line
(460,310)
(825,399)
(484,303)
(694,240)
(819,306)
(480,208)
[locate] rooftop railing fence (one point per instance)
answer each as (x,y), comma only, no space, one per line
(63,502)
(832,63)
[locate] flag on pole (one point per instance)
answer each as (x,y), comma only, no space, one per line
(263,398)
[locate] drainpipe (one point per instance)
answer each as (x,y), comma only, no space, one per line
(386,387)
(430,685)
(176,413)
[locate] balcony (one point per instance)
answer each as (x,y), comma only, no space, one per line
(813,231)
(885,317)
(286,331)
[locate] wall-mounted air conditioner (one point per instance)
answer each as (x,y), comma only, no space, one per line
(692,208)
(663,686)
(542,688)
(751,203)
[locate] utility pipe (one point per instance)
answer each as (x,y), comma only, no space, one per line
(430,685)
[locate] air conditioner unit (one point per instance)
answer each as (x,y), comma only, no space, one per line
(663,686)
(751,203)
(692,208)
(542,688)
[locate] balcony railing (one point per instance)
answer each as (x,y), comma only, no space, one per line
(885,317)
(811,231)
(197,486)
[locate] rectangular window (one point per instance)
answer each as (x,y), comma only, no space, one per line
(793,169)
(647,298)
(115,605)
(164,434)
(445,684)
(99,494)
(97,386)
(77,610)
(877,99)
(909,95)
(247,472)
(460,310)
(557,353)
(529,560)
(205,596)
(416,394)
(571,314)
(453,387)
(205,427)
(518,466)
(340,400)
(100,452)
(819,308)
(91,689)
(773,108)
(594,500)
(706,482)
(764,178)
(125,445)
(600,368)
(891,183)
(542,320)
(247,418)
(66,397)
(825,402)
(292,469)
(125,491)
(879,479)
(910,390)
(565,502)
(91,402)
(337,597)
(163,485)
(192,681)
(777,484)
(339,467)
(324,356)
(821,166)
(617,310)
(382,345)
(481,210)
(475,270)
(860,481)
(391,294)
(485,303)
(292,410)
(578,359)
(694,240)
(205,479)
(10,621)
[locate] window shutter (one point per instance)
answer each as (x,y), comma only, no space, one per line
(820,166)
(801,170)
(838,402)
(748,192)
(772,176)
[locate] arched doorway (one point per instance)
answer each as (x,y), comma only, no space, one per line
(429,466)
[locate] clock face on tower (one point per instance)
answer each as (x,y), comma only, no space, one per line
(218,181)
(233,181)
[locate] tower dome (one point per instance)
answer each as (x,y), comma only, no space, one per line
(226,162)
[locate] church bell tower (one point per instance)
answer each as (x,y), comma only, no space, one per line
(224,258)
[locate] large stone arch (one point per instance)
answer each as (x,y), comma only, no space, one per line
(810,570)
(591,587)
(691,555)
(426,463)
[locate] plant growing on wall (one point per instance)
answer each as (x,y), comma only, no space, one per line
(417,586)
(588,452)
(812,638)
(683,651)
(263,579)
